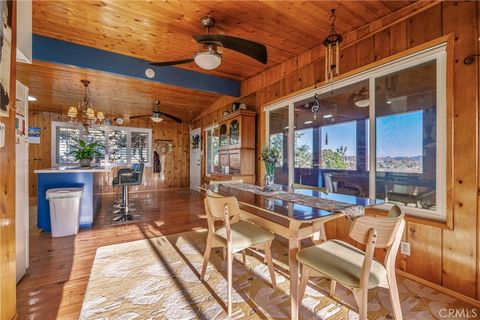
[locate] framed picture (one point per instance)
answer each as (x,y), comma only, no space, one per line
(34,135)
(5,54)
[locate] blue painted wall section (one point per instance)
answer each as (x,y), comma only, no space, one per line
(46,181)
(63,52)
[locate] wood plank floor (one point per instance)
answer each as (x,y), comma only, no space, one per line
(55,283)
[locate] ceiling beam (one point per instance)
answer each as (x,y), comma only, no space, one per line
(68,53)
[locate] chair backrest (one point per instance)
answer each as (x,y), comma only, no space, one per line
(137,168)
(378,233)
(233,181)
(387,228)
(215,206)
(297,186)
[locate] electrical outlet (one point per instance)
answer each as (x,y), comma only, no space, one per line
(405,248)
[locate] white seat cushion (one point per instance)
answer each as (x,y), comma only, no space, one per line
(341,262)
(244,235)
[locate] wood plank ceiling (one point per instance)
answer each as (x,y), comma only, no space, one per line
(57,87)
(162,31)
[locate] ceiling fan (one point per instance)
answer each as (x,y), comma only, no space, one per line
(157,115)
(210,49)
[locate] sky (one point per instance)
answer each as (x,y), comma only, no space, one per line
(397,135)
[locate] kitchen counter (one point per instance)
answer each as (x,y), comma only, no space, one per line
(68,177)
(73,169)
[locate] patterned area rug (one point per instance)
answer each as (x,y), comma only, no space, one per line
(158,278)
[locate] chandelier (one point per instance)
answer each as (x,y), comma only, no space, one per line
(84,113)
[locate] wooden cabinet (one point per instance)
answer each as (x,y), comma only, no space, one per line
(236,147)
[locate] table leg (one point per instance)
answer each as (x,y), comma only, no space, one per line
(319,234)
(293,243)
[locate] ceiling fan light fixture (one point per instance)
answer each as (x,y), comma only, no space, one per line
(156,118)
(362,103)
(207,60)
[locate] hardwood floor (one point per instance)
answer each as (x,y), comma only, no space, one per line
(55,283)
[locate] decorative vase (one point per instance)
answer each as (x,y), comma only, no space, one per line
(268,183)
(85,162)
(269,175)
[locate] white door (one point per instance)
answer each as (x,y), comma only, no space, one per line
(195,158)
(21,172)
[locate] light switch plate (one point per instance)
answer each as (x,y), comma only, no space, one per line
(405,248)
(2,134)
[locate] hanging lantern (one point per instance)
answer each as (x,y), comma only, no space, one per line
(332,50)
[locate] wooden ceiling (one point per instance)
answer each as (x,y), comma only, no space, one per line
(57,87)
(162,30)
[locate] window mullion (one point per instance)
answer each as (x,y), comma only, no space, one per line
(291,144)
(372,154)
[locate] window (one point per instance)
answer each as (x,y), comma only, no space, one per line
(211,163)
(278,139)
(339,146)
(117,146)
(330,139)
(98,136)
(140,146)
(406,142)
(64,140)
(378,134)
(121,145)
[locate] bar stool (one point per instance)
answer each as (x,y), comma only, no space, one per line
(125,179)
(119,203)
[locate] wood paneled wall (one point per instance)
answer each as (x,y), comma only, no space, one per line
(7,196)
(177,167)
(441,255)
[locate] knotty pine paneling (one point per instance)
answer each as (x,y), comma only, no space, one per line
(177,166)
(441,255)
(7,195)
(162,30)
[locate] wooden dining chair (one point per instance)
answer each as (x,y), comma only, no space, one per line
(297,186)
(355,269)
(235,235)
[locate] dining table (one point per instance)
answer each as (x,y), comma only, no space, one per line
(294,215)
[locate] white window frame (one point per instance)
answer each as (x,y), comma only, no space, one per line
(437,53)
(107,130)
(207,129)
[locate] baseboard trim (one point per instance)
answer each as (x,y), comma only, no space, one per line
(440,288)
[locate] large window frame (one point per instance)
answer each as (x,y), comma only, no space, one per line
(106,129)
(437,53)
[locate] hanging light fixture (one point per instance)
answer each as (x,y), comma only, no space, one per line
(87,115)
(332,50)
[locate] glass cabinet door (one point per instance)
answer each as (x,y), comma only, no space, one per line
(234,132)
(223,136)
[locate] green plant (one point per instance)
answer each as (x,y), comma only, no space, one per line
(83,150)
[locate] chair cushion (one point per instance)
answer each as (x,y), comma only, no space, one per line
(341,262)
(244,235)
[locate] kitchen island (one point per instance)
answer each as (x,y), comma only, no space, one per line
(68,177)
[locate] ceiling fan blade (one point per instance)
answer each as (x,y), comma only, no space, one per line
(144,116)
(171,63)
(171,117)
(252,49)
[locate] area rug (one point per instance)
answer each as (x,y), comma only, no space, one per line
(158,278)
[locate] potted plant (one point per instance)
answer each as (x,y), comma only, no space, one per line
(84,152)
(270,157)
